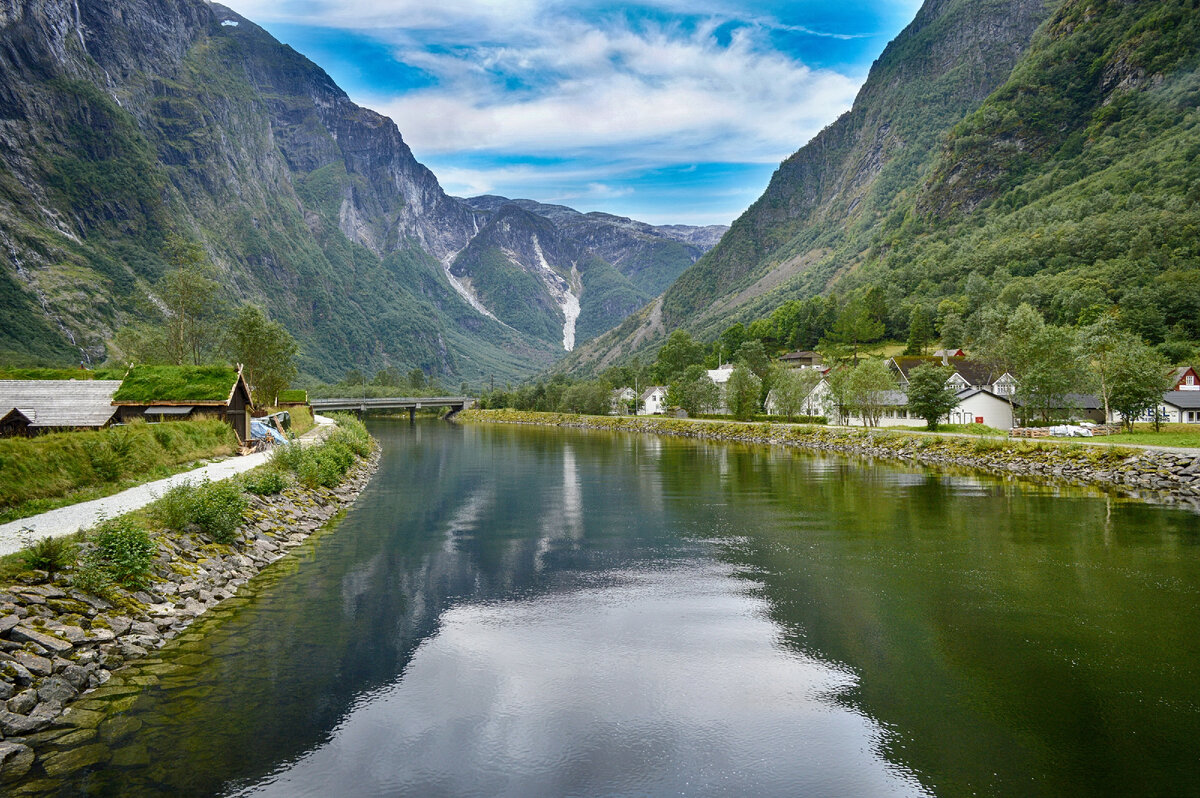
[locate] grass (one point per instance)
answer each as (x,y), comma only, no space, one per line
(293,395)
(68,467)
(146,384)
(1185,435)
(302,418)
(960,429)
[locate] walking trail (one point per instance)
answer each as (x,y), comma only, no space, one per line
(18,534)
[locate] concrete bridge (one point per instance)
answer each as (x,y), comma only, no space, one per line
(410,403)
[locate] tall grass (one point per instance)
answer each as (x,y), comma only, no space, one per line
(52,465)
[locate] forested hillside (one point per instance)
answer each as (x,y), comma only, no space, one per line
(1059,169)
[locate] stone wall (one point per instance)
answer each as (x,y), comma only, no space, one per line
(58,643)
(1172,477)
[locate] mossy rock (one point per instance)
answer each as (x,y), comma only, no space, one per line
(62,763)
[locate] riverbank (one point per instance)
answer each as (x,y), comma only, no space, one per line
(1172,476)
(60,646)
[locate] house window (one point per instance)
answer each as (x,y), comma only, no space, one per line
(1189,379)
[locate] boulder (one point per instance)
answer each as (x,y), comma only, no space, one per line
(15,760)
(23,702)
(38,666)
(24,634)
(56,688)
(61,763)
(14,725)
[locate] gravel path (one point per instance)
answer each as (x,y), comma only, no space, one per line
(67,520)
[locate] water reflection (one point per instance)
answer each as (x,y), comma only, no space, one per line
(514,611)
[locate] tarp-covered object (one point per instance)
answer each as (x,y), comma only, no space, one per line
(260,432)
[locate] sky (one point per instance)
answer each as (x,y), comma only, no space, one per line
(667,111)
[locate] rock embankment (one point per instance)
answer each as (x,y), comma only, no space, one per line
(1169,476)
(58,643)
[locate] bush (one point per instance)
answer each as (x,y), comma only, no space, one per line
(123,551)
(215,507)
(266,484)
(51,554)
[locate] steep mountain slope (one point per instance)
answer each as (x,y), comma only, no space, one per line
(125,123)
(816,216)
(651,257)
(539,281)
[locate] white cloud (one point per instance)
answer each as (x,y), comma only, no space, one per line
(664,90)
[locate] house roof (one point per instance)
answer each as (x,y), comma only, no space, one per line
(949,353)
(193,385)
(60,403)
(1079,401)
(973,371)
(721,374)
(1188,400)
(801,354)
(646,393)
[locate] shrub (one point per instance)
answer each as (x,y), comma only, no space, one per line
(51,554)
(123,551)
(91,577)
(266,484)
(217,509)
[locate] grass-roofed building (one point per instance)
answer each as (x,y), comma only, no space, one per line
(162,393)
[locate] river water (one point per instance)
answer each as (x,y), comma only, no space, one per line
(515,611)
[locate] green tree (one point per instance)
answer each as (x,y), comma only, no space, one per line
(416,379)
(868,389)
(191,296)
(920,331)
(954,331)
(742,392)
(791,387)
(679,352)
(929,397)
(266,351)
(1137,379)
(693,391)
(589,398)
(855,326)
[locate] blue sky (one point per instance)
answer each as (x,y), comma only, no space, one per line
(666,111)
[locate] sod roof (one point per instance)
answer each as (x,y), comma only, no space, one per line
(196,384)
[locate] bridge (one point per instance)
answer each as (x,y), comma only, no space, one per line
(410,403)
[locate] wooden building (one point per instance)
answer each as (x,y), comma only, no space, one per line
(165,393)
(31,407)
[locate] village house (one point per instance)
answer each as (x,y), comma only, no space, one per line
(802,359)
(654,400)
(720,377)
(966,373)
(622,401)
(167,393)
(1177,407)
(1185,379)
(31,407)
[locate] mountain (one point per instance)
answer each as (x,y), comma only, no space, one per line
(650,256)
(998,153)
(125,124)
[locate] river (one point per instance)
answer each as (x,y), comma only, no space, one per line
(518,611)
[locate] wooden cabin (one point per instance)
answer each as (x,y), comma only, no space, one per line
(172,393)
(31,407)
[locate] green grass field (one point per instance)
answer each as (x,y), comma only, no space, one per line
(1187,435)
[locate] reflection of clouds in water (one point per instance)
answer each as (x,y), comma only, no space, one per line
(565,521)
(661,682)
(467,517)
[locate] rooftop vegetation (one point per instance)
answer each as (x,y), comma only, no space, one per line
(148,384)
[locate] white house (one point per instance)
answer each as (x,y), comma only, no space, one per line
(1177,407)
(720,377)
(975,406)
(654,400)
(621,400)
